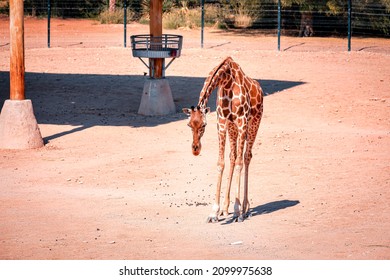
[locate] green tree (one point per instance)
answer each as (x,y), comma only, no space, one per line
(307,7)
(373,15)
(369,14)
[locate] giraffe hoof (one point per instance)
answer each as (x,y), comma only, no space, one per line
(224,213)
(234,219)
(212,220)
(241,218)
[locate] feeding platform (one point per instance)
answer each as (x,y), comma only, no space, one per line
(158,47)
(156,97)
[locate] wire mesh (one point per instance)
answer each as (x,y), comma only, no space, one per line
(370,18)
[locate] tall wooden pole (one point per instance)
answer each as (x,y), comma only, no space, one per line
(157,96)
(17,50)
(156,64)
(18,126)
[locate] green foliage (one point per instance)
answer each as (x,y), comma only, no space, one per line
(116,16)
(331,7)
(373,20)
(184,17)
(372,16)
(240,13)
(369,16)
(65,8)
(4,6)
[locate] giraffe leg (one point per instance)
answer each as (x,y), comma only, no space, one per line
(245,201)
(237,201)
(225,209)
(254,126)
(233,133)
(213,216)
(237,170)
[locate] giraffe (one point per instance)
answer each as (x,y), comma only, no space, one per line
(239,112)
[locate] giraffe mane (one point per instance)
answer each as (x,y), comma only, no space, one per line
(211,77)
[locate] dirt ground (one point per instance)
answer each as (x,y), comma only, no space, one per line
(111,184)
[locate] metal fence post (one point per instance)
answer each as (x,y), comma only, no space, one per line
(48,22)
(279,23)
(349,24)
(125,22)
(202,24)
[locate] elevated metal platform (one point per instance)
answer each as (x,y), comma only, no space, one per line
(165,46)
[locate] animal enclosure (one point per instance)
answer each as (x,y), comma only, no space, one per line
(110,184)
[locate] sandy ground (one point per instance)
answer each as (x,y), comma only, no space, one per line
(111,184)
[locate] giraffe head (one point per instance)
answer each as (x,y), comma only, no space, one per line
(197,122)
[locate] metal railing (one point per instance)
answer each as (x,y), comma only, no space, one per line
(165,46)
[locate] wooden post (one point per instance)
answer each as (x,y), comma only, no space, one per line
(17,50)
(18,126)
(156,64)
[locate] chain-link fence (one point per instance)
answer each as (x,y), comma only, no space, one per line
(326,18)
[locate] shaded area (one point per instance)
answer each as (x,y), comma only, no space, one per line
(273,206)
(87,100)
(274,86)
(293,46)
(263,209)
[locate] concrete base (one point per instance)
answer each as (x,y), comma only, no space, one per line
(18,126)
(156,98)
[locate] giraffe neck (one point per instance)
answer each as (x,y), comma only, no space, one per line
(213,81)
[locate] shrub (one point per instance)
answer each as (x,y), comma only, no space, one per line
(242,20)
(190,18)
(115,17)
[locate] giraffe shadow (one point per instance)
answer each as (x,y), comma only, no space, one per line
(275,86)
(264,209)
(273,207)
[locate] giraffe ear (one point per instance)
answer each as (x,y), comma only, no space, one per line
(206,110)
(187,111)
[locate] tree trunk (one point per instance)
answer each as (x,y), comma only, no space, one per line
(112,5)
(306,29)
